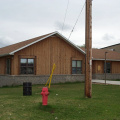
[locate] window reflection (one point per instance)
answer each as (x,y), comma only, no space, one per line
(76,67)
(26,66)
(23,62)
(30,62)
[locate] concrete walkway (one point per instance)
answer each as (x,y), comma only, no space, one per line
(107,82)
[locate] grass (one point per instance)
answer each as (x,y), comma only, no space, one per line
(65,102)
(113,79)
(116,80)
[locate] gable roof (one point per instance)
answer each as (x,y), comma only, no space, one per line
(110,46)
(99,54)
(11,49)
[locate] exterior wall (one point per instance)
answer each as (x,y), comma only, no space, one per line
(116,67)
(109,76)
(97,67)
(12,80)
(9,80)
(2,66)
(115,47)
(47,52)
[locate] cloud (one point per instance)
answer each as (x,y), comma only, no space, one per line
(60,26)
(25,19)
(4,41)
(108,37)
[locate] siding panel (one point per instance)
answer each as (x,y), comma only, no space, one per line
(49,51)
(115,67)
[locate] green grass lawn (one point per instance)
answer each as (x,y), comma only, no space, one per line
(116,80)
(65,102)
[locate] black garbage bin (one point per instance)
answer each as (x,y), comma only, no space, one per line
(27,88)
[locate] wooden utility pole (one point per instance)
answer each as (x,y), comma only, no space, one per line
(88,49)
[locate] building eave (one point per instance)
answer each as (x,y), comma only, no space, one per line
(31,43)
(71,43)
(7,54)
(110,46)
(106,59)
(57,33)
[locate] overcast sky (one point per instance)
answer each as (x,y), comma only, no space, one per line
(24,19)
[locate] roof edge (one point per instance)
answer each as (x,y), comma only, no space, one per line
(71,43)
(60,35)
(106,59)
(31,43)
(110,46)
(3,55)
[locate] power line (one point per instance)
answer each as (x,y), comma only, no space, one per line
(77,20)
(65,15)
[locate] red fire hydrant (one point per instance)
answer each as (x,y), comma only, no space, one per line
(44,94)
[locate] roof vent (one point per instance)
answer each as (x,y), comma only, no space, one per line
(112,49)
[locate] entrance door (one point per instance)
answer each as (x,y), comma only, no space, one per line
(8,66)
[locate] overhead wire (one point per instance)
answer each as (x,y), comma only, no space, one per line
(77,20)
(65,16)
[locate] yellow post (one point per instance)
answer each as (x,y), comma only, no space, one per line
(50,78)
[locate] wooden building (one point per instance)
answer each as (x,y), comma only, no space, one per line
(98,61)
(115,47)
(35,57)
(98,64)
(112,61)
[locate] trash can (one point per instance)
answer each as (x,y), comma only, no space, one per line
(27,88)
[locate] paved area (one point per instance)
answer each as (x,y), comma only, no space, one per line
(107,82)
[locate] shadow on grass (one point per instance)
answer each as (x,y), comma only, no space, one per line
(46,108)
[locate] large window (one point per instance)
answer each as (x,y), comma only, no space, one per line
(76,67)
(26,66)
(108,67)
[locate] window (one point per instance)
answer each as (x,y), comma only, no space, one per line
(108,67)
(26,66)
(8,66)
(76,67)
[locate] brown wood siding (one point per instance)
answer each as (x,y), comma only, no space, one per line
(94,70)
(49,51)
(115,67)
(98,66)
(2,66)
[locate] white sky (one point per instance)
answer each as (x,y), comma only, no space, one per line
(24,19)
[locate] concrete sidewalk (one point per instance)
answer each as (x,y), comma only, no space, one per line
(107,82)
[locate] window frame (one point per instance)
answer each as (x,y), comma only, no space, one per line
(27,66)
(8,66)
(107,67)
(77,67)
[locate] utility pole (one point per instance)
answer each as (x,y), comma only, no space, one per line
(88,49)
(105,67)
